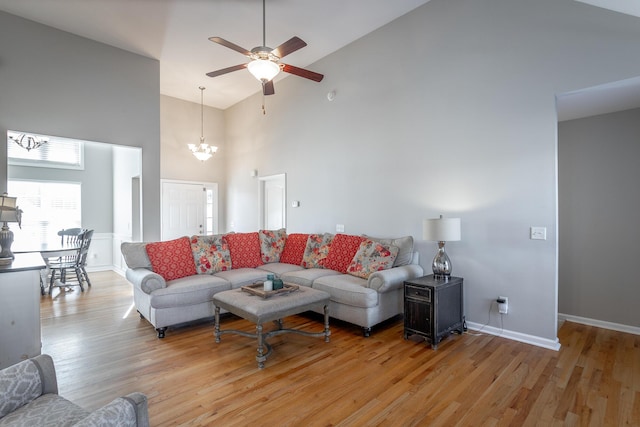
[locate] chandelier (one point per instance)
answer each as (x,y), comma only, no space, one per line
(202,151)
(28,142)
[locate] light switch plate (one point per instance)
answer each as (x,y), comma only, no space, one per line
(538,233)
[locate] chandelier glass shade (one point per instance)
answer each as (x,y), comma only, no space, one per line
(263,69)
(28,142)
(202,151)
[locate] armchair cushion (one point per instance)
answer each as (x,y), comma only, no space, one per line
(19,385)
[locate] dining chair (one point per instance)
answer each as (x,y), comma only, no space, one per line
(60,267)
(70,236)
(84,254)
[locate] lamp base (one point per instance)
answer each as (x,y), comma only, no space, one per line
(6,261)
(6,239)
(441,264)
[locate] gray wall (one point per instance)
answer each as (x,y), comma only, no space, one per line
(599,205)
(56,83)
(180,125)
(97,184)
(448,110)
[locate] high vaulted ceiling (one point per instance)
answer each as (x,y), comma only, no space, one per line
(176,33)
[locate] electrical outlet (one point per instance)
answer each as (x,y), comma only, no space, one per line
(503,305)
(339,228)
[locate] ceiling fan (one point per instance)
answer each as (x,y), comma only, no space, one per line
(264,64)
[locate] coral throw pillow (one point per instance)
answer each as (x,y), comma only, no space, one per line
(294,248)
(271,244)
(343,249)
(371,257)
(210,254)
(244,249)
(172,259)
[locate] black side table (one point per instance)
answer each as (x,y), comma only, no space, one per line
(433,307)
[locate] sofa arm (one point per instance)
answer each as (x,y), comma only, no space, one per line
(393,278)
(145,279)
(130,410)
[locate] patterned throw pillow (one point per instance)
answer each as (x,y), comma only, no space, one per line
(371,257)
(343,249)
(294,248)
(244,249)
(271,244)
(210,254)
(316,250)
(172,259)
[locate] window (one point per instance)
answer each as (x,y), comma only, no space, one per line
(47,207)
(63,153)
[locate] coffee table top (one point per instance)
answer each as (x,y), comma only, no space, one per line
(260,310)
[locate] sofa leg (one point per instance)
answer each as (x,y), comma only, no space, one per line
(366,332)
(141,316)
(161,332)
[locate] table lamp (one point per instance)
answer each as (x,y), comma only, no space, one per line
(441,230)
(9,212)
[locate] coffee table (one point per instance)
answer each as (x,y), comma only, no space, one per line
(260,310)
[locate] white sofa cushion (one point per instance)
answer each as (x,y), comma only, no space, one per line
(188,291)
(306,277)
(348,290)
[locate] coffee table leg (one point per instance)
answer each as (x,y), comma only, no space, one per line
(260,357)
(217,324)
(327,332)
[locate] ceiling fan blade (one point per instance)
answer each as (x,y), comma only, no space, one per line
(311,75)
(267,88)
(227,70)
(230,45)
(290,46)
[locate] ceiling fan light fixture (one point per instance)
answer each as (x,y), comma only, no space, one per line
(263,69)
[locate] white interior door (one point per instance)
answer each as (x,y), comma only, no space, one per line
(273,199)
(183,209)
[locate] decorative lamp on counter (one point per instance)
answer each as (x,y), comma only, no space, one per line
(9,212)
(441,230)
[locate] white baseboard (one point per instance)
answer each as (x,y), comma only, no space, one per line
(516,336)
(599,323)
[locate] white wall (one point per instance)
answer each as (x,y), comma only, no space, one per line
(599,204)
(447,110)
(56,83)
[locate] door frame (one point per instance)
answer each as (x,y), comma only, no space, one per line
(213,186)
(263,180)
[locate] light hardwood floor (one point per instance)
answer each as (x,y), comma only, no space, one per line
(351,381)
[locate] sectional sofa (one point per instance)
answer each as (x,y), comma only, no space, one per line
(174,281)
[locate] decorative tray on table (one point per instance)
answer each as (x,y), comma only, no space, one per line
(258,289)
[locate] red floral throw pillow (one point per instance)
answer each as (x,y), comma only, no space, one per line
(343,249)
(244,249)
(172,259)
(294,248)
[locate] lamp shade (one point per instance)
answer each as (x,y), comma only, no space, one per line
(9,211)
(263,69)
(441,229)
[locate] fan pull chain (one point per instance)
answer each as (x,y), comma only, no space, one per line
(264,110)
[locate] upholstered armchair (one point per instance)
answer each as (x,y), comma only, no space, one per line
(29,397)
